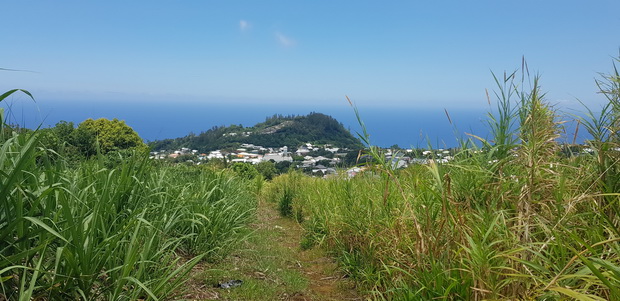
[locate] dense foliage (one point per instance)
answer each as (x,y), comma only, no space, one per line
(91,136)
(94,232)
(520,217)
(276,131)
(111,134)
(517,219)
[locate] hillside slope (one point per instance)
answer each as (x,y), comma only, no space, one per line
(276,131)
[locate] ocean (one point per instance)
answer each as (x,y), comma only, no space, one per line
(405,126)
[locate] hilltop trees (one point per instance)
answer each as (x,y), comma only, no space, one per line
(276,131)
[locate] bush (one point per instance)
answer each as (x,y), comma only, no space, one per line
(244,170)
(285,204)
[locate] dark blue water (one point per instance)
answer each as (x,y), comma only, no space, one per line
(407,127)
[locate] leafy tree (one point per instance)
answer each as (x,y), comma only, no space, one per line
(85,141)
(267,169)
(244,170)
(283,166)
(325,163)
(111,135)
(64,130)
(60,140)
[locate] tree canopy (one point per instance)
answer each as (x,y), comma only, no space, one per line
(276,131)
(111,134)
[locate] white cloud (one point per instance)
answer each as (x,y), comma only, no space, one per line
(284,40)
(244,25)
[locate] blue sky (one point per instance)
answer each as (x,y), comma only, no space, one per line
(392,54)
(397,53)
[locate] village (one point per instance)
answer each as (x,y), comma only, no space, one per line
(317,160)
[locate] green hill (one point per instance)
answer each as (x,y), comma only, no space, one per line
(276,131)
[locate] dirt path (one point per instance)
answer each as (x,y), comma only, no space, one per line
(272,266)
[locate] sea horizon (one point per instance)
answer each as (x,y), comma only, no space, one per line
(407,127)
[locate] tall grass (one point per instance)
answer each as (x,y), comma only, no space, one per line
(514,220)
(95,233)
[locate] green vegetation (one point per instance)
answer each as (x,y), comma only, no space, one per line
(267,169)
(276,131)
(84,214)
(91,232)
(110,134)
(244,170)
(272,267)
(516,219)
(264,263)
(112,138)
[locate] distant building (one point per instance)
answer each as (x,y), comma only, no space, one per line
(332,150)
(302,151)
(215,155)
(276,157)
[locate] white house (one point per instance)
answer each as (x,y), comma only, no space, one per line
(276,157)
(215,155)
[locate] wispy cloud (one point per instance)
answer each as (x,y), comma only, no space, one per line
(284,40)
(244,25)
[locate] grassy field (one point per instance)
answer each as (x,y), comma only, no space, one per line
(90,232)
(521,217)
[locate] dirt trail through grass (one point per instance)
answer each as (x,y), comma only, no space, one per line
(272,267)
